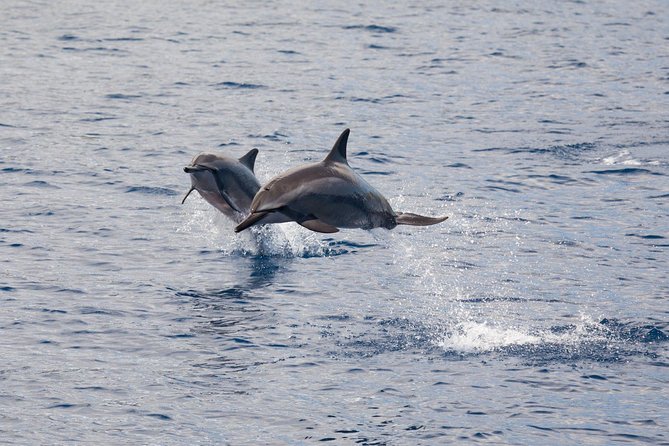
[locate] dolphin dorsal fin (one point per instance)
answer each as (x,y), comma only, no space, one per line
(249,160)
(338,152)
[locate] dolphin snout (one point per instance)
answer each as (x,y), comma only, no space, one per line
(194,168)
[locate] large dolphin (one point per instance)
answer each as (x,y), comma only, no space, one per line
(326,196)
(226,183)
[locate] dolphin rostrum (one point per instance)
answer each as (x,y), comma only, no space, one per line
(226,183)
(326,196)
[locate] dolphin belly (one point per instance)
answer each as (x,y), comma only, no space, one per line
(205,185)
(357,210)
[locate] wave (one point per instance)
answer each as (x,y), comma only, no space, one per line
(625,171)
(566,151)
(372,28)
(239,85)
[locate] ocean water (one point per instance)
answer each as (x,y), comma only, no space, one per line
(537,314)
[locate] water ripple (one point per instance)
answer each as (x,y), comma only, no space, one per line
(239,85)
(373,28)
(151,190)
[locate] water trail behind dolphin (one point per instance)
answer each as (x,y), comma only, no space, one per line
(464,306)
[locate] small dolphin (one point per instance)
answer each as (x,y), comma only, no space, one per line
(226,183)
(326,196)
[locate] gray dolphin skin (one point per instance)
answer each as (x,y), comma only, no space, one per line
(226,183)
(326,196)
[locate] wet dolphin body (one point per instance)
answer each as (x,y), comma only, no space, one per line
(326,196)
(227,183)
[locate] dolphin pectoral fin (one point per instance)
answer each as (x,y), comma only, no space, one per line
(407,218)
(251,220)
(317,225)
(187,194)
(227,199)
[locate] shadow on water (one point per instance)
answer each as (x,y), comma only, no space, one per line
(234,315)
(262,270)
(260,274)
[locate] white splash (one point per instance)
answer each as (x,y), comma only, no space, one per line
(215,231)
(624,158)
(469,337)
(478,337)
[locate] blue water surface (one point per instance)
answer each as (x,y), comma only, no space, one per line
(537,314)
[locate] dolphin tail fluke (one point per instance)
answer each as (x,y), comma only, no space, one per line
(187,194)
(251,220)
(407,218)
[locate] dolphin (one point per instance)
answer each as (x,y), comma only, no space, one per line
(326,196)
(227,183)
